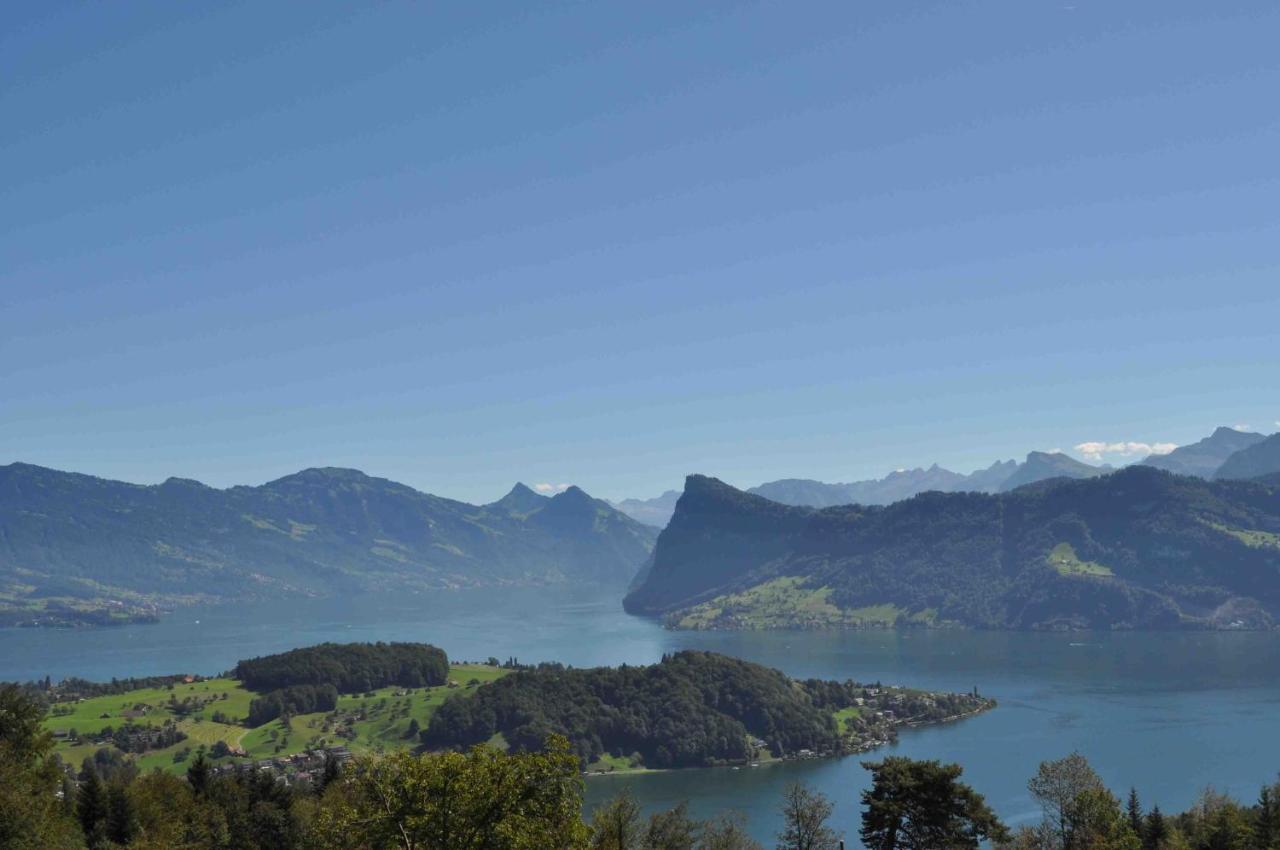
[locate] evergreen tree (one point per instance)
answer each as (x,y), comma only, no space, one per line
(198,773)
(1135,812)
(415,729)
(122,821)
(1229,829)
(332,770)
(922,805)
(1267,822)
(1155,831)
(91,806)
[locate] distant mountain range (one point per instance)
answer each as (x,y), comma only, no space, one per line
(896,486)
(656,511)
(1204,457)
(72,541)
(1201,459)
(1137,548)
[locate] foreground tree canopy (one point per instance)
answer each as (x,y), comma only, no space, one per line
(923,805)
(486,799)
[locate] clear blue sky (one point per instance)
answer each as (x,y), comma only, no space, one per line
(611,244)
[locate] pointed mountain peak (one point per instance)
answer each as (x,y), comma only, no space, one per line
(521,499)
(572,494)
(1225,431)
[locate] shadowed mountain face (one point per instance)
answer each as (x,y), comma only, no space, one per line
(1204,457)
(317,532)
(1262,458)
(1138,548)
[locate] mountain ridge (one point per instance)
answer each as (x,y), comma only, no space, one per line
(1136,548)
(1204,457)
(1261,458)
(73,538)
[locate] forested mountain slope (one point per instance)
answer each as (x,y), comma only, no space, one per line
(66,536)
(1261,458)
(1138,548)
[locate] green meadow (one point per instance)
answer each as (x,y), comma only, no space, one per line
(1063,558)
(376,721)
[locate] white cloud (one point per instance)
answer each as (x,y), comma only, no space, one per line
(1096,451)
(1242,426)
(551,488)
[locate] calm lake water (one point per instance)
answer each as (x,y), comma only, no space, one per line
(1166,712)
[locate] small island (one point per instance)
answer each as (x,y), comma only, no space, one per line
(295,712)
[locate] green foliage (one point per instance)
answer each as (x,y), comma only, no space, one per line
(615,824)
(672,830)
(1095,821)
(727,831)
(1064,559)
(483,800)
(349,667)
(91,807)
(491,800)
(692,709)
(295,699)
(1057,785)
(923,805)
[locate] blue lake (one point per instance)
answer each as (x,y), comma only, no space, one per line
(1166,712)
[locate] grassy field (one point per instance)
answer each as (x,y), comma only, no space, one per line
(379,720)
(1252,539)
(1063,558)
(784,603)
(844,715)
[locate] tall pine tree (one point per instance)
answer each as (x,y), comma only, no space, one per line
(91,806)
(1135,812)
(1155,831)
(122,821)
(1267,825)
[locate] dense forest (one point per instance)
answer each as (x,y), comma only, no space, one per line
(294,699)
(1139,548)
(348,667)
(490,800)
(692,709)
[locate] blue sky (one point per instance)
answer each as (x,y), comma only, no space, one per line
(611,244)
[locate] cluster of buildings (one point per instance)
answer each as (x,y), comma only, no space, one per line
(300,769)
